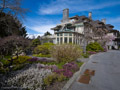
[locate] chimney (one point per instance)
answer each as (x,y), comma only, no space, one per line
(90,15)
(65,15)
(104,21)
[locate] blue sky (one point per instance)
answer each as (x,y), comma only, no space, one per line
(45,14)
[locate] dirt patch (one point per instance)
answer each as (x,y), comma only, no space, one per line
(84,79)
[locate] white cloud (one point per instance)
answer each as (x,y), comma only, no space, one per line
(114,20)
(40,25)
(42,28)
(31,36)
(56,7)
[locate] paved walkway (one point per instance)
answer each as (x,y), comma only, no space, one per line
(107,72)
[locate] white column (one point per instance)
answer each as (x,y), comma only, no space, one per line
(56,40)
(63,38)
(59,38)
(67,39)
(72,38)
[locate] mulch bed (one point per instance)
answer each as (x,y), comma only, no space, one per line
(85,78)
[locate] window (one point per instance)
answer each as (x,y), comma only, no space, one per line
(70,40)
(61,34)
(57,34)
(65,34)
(57,40)
(76,41)
(61,40)
(70,34)
(65,39)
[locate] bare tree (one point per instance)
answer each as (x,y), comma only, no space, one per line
(12,7)
(99,32)
(88,34)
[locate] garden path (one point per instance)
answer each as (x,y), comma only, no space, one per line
(107,72)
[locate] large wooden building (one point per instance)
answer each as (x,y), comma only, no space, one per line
(80,30)
(72,30)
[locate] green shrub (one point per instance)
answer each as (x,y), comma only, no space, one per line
(79,64)
(5,62)
(66,52)
(43,49)
(53,78)
(86,55)
(18,67)
(50,79)
(41,55)
(96,47)
(61,78)
(21,60)
(2,69)
(35,42)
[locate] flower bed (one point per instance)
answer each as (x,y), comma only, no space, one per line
(35,59)
(31,78)
(40,76)
(68,69)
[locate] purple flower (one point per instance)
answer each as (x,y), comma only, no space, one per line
(59,71)
(34,59)
(105,48)
(71,66)
(54,67)
(91,52)
(68,73)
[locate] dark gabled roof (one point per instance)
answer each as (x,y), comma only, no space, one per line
(97,24)
(114,30)
(81,19)
(109,27)
(56,28)
(74,17)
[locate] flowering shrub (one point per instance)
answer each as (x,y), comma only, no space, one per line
(109,37)
(68,69)
(71,66)
(66,52)
(105,48)
(65,72)
(31,79)
(68,73)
